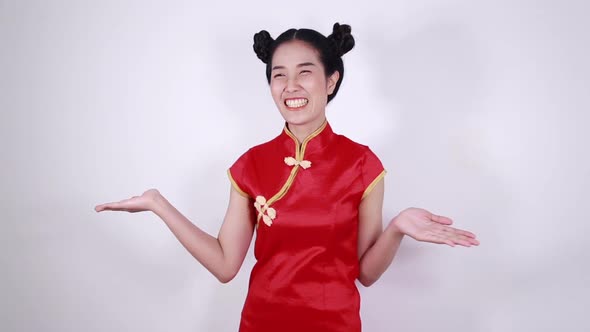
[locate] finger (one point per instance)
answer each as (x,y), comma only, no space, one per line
(103,207)
(464,240)
(463,243)
(469,237)
(464,232)
(459,231)
(445,236)
(449,243)
(441,219)
(113,206)
(440,239)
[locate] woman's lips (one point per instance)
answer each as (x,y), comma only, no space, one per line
(296,103)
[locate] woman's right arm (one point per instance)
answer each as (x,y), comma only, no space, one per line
(222,255)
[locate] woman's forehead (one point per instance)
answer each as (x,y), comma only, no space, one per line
(293,53)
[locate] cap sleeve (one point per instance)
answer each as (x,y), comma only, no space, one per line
(373,171)
(237,173)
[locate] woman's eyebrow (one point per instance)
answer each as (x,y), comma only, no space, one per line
(298,66)
(305,64)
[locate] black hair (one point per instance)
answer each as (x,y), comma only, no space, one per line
(331,48)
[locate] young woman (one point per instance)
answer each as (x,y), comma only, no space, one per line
(313,197)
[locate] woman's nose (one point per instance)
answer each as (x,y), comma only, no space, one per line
(292,85)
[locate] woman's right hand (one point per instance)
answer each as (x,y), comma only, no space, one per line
(145,202)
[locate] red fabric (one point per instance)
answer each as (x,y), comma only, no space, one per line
(304,277)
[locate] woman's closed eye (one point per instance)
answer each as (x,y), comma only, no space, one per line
(281,75)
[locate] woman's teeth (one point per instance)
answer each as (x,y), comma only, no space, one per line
(296,103)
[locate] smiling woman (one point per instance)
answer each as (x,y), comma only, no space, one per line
(313,197)
(300,86)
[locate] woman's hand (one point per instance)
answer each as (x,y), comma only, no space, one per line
(145,202)
(424,226)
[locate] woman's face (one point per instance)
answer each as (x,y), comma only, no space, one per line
(299,85)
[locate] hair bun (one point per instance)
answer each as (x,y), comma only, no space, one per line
(262,43)
(341,38)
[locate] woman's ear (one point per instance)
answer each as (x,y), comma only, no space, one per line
(332,80)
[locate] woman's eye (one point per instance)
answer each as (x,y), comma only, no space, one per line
(278,75)
(305,71)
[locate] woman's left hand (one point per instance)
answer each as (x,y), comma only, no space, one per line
(424,226)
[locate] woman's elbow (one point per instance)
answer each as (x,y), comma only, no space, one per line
(224,279)
(366,281)
(226,276)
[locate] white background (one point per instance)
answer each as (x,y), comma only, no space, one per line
(478,109)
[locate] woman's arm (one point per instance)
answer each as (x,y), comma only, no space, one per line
(222,255)
(376,248)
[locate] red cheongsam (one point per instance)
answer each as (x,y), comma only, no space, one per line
(307,200)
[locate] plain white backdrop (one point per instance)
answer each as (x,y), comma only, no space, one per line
(478,109)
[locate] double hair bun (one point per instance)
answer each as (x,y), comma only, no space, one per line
(262,43)
(341,41)
(341,38)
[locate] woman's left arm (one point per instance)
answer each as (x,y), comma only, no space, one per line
(377,247)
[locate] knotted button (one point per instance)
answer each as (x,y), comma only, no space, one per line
(305,164)
(267,214)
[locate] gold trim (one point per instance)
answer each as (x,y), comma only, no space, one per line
(307,139)
(235,185)
(373,184)
(299,153)
(285,187)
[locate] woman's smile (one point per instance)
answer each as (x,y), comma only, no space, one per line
(295,104)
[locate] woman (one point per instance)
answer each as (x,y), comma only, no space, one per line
(313,197)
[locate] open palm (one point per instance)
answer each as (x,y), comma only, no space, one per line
(134,204)
(424,226)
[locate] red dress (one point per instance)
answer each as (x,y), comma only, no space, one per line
(306,198)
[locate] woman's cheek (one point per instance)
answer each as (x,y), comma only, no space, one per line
(276,89)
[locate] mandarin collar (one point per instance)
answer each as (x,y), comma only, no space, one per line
(315,141)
